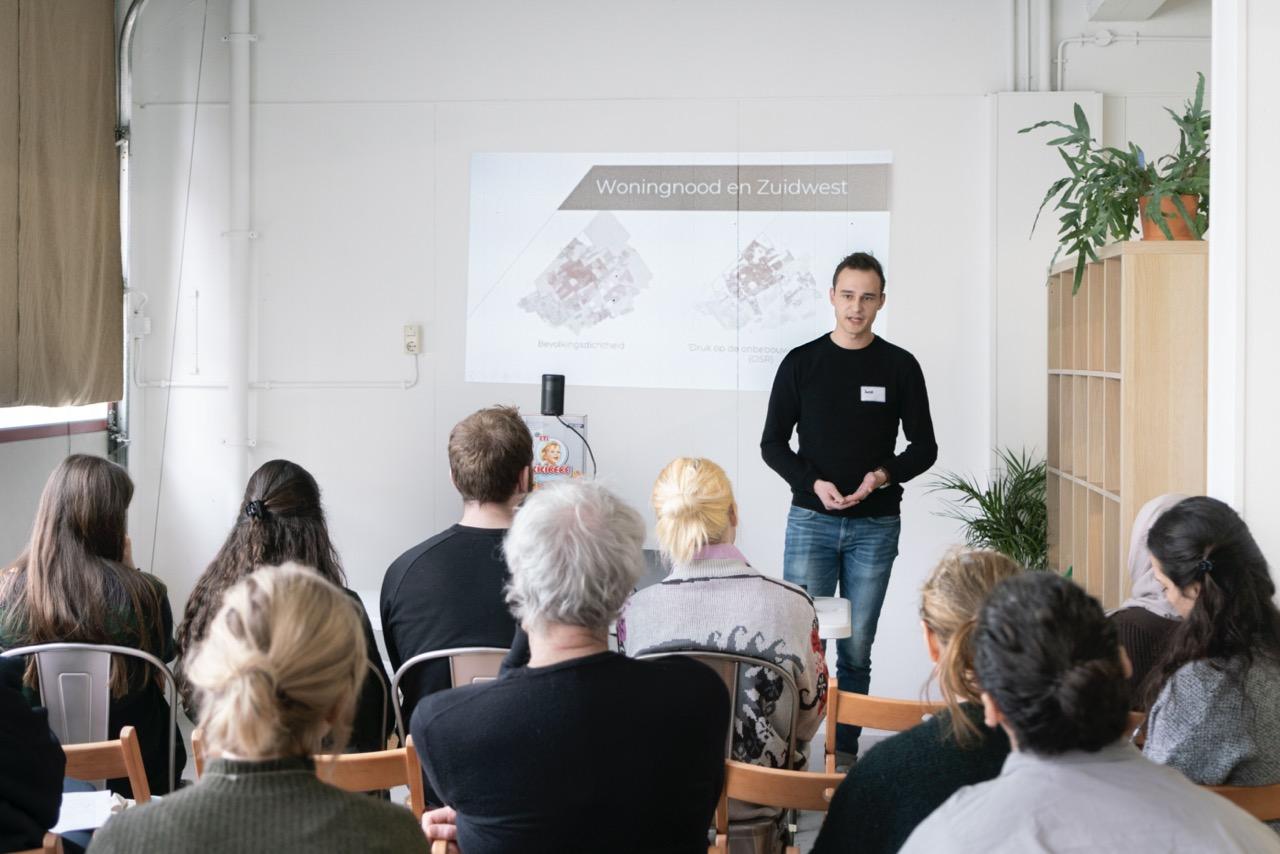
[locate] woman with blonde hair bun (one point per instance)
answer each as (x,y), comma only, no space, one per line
(901,780)
(277,676)
(713,600)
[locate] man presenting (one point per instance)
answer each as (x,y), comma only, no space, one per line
(845,394)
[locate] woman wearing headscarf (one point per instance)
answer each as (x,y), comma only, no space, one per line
(1146,620)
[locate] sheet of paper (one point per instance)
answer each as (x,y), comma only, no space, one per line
(84,811)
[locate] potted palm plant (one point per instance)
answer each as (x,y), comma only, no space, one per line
(1106,186)
(1008,514)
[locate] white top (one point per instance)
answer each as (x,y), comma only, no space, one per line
(1115,801)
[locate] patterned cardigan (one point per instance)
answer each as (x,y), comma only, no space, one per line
(719,603)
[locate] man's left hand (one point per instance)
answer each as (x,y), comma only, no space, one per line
(873,481)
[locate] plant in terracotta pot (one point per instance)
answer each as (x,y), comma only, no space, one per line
(1106,186)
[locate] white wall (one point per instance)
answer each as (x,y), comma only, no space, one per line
(24,467)
(1250,132)
(365,118)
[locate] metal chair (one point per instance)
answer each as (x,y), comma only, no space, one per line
(467,665)
(75,686)
(376,672)
(728,666)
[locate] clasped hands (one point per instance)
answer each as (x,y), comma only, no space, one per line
(833,500)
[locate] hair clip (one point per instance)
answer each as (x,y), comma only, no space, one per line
(255,509)
(1204,566)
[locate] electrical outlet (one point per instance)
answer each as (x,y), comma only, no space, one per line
(412,339)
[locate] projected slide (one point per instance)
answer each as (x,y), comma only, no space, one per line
(671,270)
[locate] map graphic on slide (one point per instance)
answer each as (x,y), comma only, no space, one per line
(595,277)
(767,287)
(680,270)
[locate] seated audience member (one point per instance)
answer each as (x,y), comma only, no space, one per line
(1054,677)
(901,780)
(1216,717)
(281,520)
(583,749)
(277,674)
(714,600)
(447,591)
(1146,620)
(76,581)
(31,766)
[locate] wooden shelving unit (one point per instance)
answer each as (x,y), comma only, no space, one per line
(1127,381)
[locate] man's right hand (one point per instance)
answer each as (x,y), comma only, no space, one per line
(829,495)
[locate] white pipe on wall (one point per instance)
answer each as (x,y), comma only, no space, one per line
(1105,38)
(239,39)
(1044,44)
(1012,83)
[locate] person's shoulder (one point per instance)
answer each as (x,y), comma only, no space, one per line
(391,823)
(156,584)
(436,710)
(895,353)
(807,350)
(684,674)
(424,548)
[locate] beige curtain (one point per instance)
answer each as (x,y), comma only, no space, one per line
(60,286)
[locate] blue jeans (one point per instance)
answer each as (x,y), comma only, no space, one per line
(858,553)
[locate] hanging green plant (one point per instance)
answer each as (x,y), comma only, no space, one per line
(1105,187)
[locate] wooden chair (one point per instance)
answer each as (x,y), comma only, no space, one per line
(1134,727)
(845,707)
(52,844)
(380,769)
(107,760)
(357,772)
(775,787)
(1261,802)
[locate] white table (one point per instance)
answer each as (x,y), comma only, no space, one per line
(834,617)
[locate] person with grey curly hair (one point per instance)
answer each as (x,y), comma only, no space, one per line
(583,748)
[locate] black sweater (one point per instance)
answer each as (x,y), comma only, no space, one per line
(31,766)
(846,406)
(902,780)
(599,753)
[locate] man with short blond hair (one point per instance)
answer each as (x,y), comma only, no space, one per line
(448,591)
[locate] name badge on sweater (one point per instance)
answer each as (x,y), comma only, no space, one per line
(873,394)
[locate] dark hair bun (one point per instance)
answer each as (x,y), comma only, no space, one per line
(1046,653)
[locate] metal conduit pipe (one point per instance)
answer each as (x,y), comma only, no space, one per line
(240,233)
(118,435)
(1105,38)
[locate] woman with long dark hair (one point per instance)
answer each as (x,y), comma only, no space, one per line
(281,521)
(76,582)
(1216,709)
(1054,677)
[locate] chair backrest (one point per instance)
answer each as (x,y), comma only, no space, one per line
(380,769)
(728,665)
(51,844)
(467,665)
(106,760)
(356,772)
(846,707)
(376,673)
(75,686)
(1134,725)
(1261,802)
(774,787)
